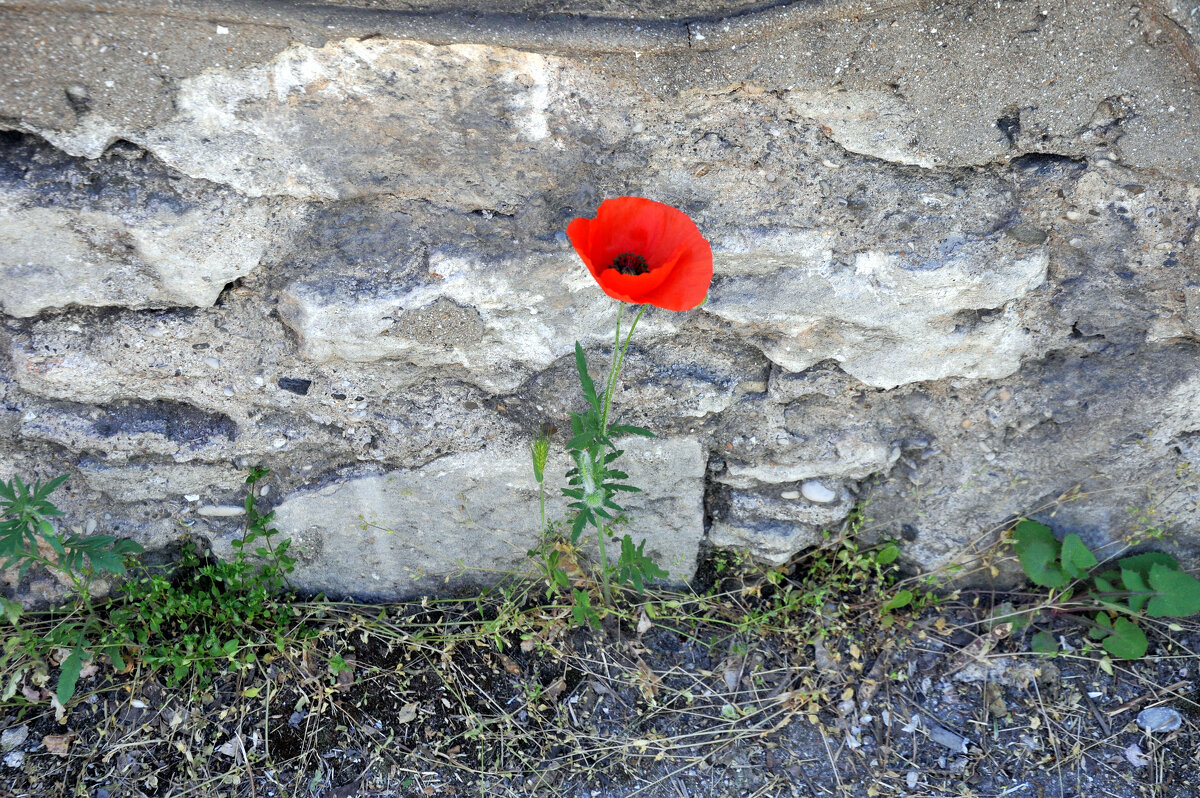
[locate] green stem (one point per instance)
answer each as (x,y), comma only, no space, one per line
(542,502)
(610,387)
(607,587)
(618,361)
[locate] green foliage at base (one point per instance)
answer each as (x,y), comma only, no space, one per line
(1110,597)
(201,614)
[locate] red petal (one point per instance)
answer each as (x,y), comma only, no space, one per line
(680,259)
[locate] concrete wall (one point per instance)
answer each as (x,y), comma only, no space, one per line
(955,269)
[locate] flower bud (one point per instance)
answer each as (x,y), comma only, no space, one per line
(539,450)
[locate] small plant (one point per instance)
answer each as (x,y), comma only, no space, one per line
(642,253)
(1110,598)
(28,540)
(208,613)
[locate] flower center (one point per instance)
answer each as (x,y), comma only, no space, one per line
(629,263)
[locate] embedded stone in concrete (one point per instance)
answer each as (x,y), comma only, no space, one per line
(469,125)
(502,319)
(886,318)
(773,524)
(470,518)
(140,482)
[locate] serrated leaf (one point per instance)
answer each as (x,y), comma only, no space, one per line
(1044,643)
(1102,628)
(628,429)
(577,527)
(1139,591)
(1077,559)
(1038,551)
(1142,563)
(585,379)
(1127,641)
(68,675)
(1177,594)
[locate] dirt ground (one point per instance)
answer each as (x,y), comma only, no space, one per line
(751,684)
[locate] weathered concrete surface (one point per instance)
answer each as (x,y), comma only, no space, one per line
(371,535)
(955,254)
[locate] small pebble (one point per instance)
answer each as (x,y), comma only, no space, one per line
(816,492)
(90,526)
(212,361)
(191,497)
(213,511)
(790,494)
(11,738)
(1159,720)
(14,759)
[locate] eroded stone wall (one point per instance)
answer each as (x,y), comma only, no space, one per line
(955,272)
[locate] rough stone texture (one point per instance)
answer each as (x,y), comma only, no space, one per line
(121,231)
(419,529)
(955,254)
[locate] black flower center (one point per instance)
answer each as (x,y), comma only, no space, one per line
(629,263)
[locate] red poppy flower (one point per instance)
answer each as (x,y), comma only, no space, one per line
(645,252)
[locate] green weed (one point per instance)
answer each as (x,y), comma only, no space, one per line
(1109,598)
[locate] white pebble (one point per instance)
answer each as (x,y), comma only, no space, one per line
(816,492)
(212,361)
(214,511)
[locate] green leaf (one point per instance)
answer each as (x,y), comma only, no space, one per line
(1103,627)
(40,492)
(1177,594)
(12,610)
(1077,559)
(1137,587)
(582,610)
(585,379)
(1007,613)
(68,675)
(1044,643)
(1038,551)
(1142,563)
(902,599)
(577,528)
(888,554)
(1127,641)
(627,429)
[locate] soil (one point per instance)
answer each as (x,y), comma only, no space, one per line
(715,692)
